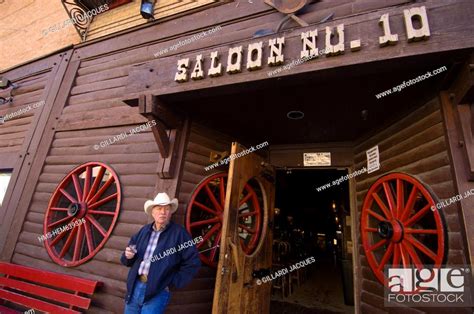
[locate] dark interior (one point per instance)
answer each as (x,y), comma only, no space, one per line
(312,224)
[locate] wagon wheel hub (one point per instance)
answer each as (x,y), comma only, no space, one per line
(77,210)
(391,230)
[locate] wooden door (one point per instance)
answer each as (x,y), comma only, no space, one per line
(236,289)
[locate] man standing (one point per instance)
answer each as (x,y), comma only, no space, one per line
(155,261)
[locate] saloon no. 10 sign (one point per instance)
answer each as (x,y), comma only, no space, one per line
(212,65)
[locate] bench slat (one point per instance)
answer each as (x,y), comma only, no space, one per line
(59,296)
(33,303)
(49,278)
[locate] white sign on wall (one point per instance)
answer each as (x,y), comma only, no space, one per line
(373,159)
(317,159)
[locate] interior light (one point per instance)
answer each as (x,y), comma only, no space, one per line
(295,115)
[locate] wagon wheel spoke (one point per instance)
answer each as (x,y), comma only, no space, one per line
(87,182)
(222,192)
(421,231)
(90,242)
(422,212)
(396,255)
(68,196)
(209,233)
(102,190)
(413,255)
(205,222)
(100,212)
(216,243)
(68,243)
(410,203)
(205,208)
(103,201)
(78,244)
(59,209)
(382,205)
(405,257)
(245,199)
(391,201)
(371,229)
(400,198)
(247,228)
(59,222)
(420,246)
(96,183)
(77,186)
(374,214)
(97,225)
(58,237)
(377,245)
(386,256)
(213,199)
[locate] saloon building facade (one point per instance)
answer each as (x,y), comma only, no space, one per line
(330,86)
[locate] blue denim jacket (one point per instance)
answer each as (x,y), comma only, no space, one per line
(174,270)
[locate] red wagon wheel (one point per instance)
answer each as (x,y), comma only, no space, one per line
(205,213)
(82,213)
(398,226)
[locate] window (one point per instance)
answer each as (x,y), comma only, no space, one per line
(5,176)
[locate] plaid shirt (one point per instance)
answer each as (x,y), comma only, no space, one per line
(146,263)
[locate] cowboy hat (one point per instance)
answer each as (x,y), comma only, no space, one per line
(161,199)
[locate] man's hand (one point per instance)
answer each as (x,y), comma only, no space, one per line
(129,253)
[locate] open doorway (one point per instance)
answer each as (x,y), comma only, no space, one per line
(312,222)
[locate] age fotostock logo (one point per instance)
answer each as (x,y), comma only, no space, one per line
(429,287)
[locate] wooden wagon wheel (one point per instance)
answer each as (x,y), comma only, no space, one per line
(398,226)
(205,213)
(88,199)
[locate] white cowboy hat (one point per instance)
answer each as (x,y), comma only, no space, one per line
(161,199)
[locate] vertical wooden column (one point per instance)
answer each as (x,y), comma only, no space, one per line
(457,106)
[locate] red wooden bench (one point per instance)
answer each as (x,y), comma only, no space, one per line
(23,285)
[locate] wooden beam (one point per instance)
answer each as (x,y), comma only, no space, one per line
(463,88)
(145,105)
(167,130)
(461,94)
(460,166)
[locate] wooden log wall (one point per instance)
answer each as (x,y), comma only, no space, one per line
(94,112)
(13,131)
(37,85)
(202,141)
(415,145)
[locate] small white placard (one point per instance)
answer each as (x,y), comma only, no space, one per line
(2,120)
(316,159)
(373,161)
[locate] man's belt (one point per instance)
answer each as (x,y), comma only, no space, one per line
(143,278)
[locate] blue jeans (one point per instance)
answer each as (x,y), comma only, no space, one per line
(155,305)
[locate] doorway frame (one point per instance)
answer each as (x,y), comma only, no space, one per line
(342,158)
